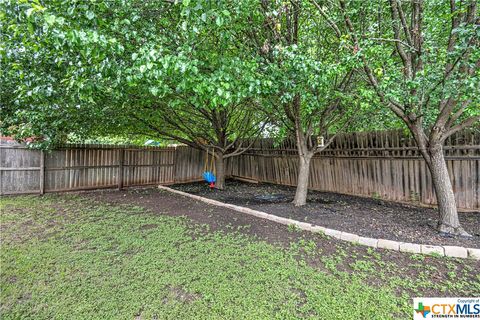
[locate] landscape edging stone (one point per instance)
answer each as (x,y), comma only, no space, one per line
(449,251)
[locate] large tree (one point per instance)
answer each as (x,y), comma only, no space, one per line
(198,86)
(422,58)
(208,105)
(313,82)
(159,68)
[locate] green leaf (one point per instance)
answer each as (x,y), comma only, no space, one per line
(49,18)
(31,29)
(29,12)
(90,15)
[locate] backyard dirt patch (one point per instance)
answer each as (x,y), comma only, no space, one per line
(367,217)
(164,202)
(345,255)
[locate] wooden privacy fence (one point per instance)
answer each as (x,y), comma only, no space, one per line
(83,167)
(380,164)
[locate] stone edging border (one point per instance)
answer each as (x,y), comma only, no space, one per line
(448,251)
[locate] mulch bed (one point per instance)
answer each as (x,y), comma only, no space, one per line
(367,217)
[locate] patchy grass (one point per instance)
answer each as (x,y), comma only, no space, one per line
(67,257)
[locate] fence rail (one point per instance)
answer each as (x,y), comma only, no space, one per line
(381,164)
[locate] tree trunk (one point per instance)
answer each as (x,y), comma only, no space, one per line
(302,183)
(448,216)
(220,172)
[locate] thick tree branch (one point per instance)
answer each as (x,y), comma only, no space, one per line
(465,124)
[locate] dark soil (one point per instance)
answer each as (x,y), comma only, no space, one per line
(392,263)
(367,217)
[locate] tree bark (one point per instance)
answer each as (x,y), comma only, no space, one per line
(302,183)
(220,171)
(448,221)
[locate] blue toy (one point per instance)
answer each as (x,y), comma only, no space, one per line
(210,171)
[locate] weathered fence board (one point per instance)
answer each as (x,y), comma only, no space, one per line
(82,167)
(20,171)
(189,164)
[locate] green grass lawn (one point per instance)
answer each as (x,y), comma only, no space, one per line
(66,257)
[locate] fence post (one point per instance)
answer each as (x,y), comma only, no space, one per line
(42,172)
(174,169)
(120,168)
